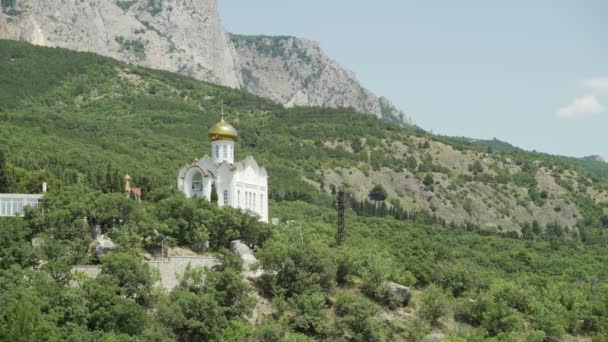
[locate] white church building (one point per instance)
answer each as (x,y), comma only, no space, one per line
(242,185)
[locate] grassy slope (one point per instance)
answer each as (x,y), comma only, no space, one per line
(74,118)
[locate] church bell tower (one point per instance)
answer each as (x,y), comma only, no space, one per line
(222,137)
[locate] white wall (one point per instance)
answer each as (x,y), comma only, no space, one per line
(222,151)
(13,204)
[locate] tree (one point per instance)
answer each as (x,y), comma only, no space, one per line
(476,168)
(356,145)
(604,221)
(21,321)
(214,197)
(536,228)
(4,177)
(411,163)
(434,304)
(526,231)
(309,318)
(133,275)
(428,180)
(378,193)
(358,314)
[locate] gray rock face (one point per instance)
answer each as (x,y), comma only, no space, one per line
(296,72)
(103,245)
(186,36)
(397,294)
(249,260)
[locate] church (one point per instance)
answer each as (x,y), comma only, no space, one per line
(242,185)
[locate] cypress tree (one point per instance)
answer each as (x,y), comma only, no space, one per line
(214,197)
(4,178)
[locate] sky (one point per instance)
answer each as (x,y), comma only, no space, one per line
(532,73)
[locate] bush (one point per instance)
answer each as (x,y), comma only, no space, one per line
(434,304)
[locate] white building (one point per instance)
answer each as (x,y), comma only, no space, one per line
(13,204)
(242,185)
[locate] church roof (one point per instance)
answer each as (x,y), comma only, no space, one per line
(222,131)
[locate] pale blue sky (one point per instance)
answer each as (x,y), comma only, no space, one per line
(480,69)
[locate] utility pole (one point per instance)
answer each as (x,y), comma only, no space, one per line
(340,209)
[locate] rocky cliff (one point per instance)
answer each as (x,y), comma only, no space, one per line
(296,72)
(183,36)
(186,36)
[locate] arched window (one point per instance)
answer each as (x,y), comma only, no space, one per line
(217,151)
(225,152)
(261,203)
(238,198)
(197,184)
(225,197)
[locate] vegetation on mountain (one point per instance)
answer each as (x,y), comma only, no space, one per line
(80,122)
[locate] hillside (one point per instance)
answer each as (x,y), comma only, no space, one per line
(187,37)
(594,164)
(80,121)
(96,111)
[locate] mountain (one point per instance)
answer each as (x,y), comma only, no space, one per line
(186,36)
(296,72)
(458,243)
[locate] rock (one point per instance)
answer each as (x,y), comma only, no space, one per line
(297,72)
(184,36)
(435,336)
(397,294)
(187,37)
(38,242)
(147,256)
(95,231)
(201,247)
(249,260)
(103,245)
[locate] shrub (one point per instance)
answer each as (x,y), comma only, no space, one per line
(434,304)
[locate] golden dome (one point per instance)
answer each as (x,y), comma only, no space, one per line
(222,131)
(127,178)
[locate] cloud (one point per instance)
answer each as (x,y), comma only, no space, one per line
(597,85)
(581,107)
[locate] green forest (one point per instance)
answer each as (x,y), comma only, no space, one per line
(79,122)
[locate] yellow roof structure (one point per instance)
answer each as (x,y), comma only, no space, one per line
(222,131)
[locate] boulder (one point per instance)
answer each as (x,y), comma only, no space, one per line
(103,245)
(397,294)
(249,260)
(38,242)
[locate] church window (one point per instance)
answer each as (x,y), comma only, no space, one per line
(225,197)
(261,203)
(217,151)
(238,198)
(253,201)
(225,152)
